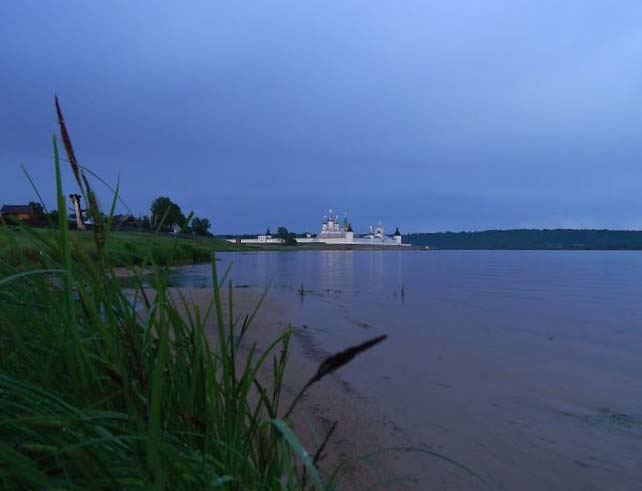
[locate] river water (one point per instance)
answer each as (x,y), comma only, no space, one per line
(523,366)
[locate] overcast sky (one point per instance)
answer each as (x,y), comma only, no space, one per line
(429,115)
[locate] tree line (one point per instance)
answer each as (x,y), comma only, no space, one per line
(531,239)
(165,215)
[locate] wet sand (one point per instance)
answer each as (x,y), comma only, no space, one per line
(359,437)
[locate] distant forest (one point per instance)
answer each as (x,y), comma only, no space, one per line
(556,239)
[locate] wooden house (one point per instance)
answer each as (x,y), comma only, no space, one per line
(23,213)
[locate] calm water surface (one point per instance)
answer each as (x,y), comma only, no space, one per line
(525,366)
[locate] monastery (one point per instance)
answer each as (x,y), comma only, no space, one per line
(333,231)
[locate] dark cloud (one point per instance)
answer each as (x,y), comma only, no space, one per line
(427,115)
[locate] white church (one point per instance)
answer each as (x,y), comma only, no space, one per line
(333,231)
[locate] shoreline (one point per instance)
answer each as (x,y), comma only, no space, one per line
(359,435)
(333,247)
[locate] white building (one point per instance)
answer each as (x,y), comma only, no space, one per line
(334,231)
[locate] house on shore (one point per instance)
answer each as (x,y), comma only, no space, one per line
(23,213)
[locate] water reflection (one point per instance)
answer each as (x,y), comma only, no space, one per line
(336,270)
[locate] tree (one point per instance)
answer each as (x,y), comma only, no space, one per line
(38,211)
(165,210)
(282,233)
(201,226)
(288,238)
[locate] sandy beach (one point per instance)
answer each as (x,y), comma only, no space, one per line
(359,440)
(373,450)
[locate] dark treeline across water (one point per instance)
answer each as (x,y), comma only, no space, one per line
(531,239)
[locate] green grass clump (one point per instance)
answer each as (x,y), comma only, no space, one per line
(103,388)
(106,388)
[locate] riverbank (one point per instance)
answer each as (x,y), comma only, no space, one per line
(373,451)
(123,248)
(359,441)
(151,403)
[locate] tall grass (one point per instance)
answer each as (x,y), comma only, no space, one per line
(125,248)
(106,388)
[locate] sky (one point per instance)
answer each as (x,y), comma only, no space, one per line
(427,115)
